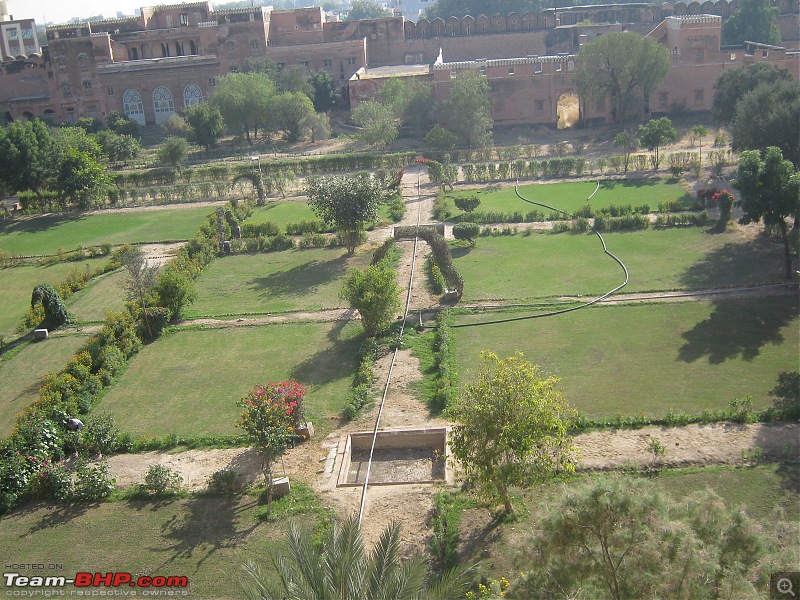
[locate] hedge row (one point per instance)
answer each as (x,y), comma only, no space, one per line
(444,360)
(363,380)
(441,254)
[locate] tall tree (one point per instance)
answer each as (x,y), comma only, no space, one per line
(623,66)
(317,124)
(29,156)
(373,293)
(288,111)
(511,428)
(377,122)
(654,134)
(118,147)
(244,99)
(140,282)
(173,152)
(326,92)
(753,21)
(367,9)
(699,132)
(207,124)
(81,177)
(338,567)
(628,143)
(293,78)
(346,202)
(732,85)
(769,189)
(467,112)
(769,116)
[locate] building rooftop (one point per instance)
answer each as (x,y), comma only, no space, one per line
(394,71)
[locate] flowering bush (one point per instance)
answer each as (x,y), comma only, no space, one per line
(271,414)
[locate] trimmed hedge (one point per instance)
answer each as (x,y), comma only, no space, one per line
(444,360)
(441,254)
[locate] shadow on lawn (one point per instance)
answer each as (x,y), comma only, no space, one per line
(330,363)
(734,264)
(739,327)
(38,224)
(204,526)
(300,280)
(611,184)
(54,514)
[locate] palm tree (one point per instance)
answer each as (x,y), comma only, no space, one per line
(340,570)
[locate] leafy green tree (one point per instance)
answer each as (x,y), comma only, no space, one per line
(623,66)
(410,101)
(373,292)
(439,138)
(55,313)
(174,152)
(140,282)
(89,124)
(378,123)
(177,126)
(123,125)
(79,139)
(326,92)
(245,101)
(29,156)
(263,65)
(511,428)
(753,21)
(769,116)
(346,202)
(469,95)
(466,231)
(622,538)
(206,123)
(317,124)
(338,567)
(468,203)
(628,143)
(366,9)
(294,79)
(268,419)
(118,147)
(288,111)
(654,134)
(81,177)
(732,85)
(769,189)
(175,290)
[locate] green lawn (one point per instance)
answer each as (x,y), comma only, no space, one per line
(46,234)
(275,281)
(17,283)
(189,382)
(644,359)
(101,295)
(572,196)
(544,265)
(282,213)
(204,539)
(24,373)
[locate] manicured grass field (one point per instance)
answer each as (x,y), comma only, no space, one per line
(190,381)
(101,295)
(46,234)
(275,281)
(572,196)
(544,265)
(282,213)
(24,373)
(645,359)
(17,283)
(205,539)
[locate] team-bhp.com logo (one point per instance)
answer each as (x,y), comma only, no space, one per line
(95,580)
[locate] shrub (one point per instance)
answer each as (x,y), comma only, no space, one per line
(466,231)
(312,240)
(440,210)
(160,480)
(92,483)
(397,208)
(256,230)
(467,204)
(304,226)
(101,436)
(435,278)
(441,254)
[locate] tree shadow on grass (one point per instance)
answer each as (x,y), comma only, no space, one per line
(735,264)
(38,224)
(55,514)
(330,363)
(611,184)
(300,280)
(739,328)
(205,526)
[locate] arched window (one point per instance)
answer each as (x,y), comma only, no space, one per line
(134,54)
(192,95)
(163,104)
(192,47)
(133,106)
(178,49)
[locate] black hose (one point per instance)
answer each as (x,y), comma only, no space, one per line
(564,310)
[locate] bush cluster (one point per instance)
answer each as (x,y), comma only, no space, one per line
(612,210)
(304,226)
(397,208)
(682,219)
(434,276)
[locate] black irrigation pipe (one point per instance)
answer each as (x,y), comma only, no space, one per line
(564,310)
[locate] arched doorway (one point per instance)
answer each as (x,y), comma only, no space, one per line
(163,104)
(132,106)
(192,94)
(568,110)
